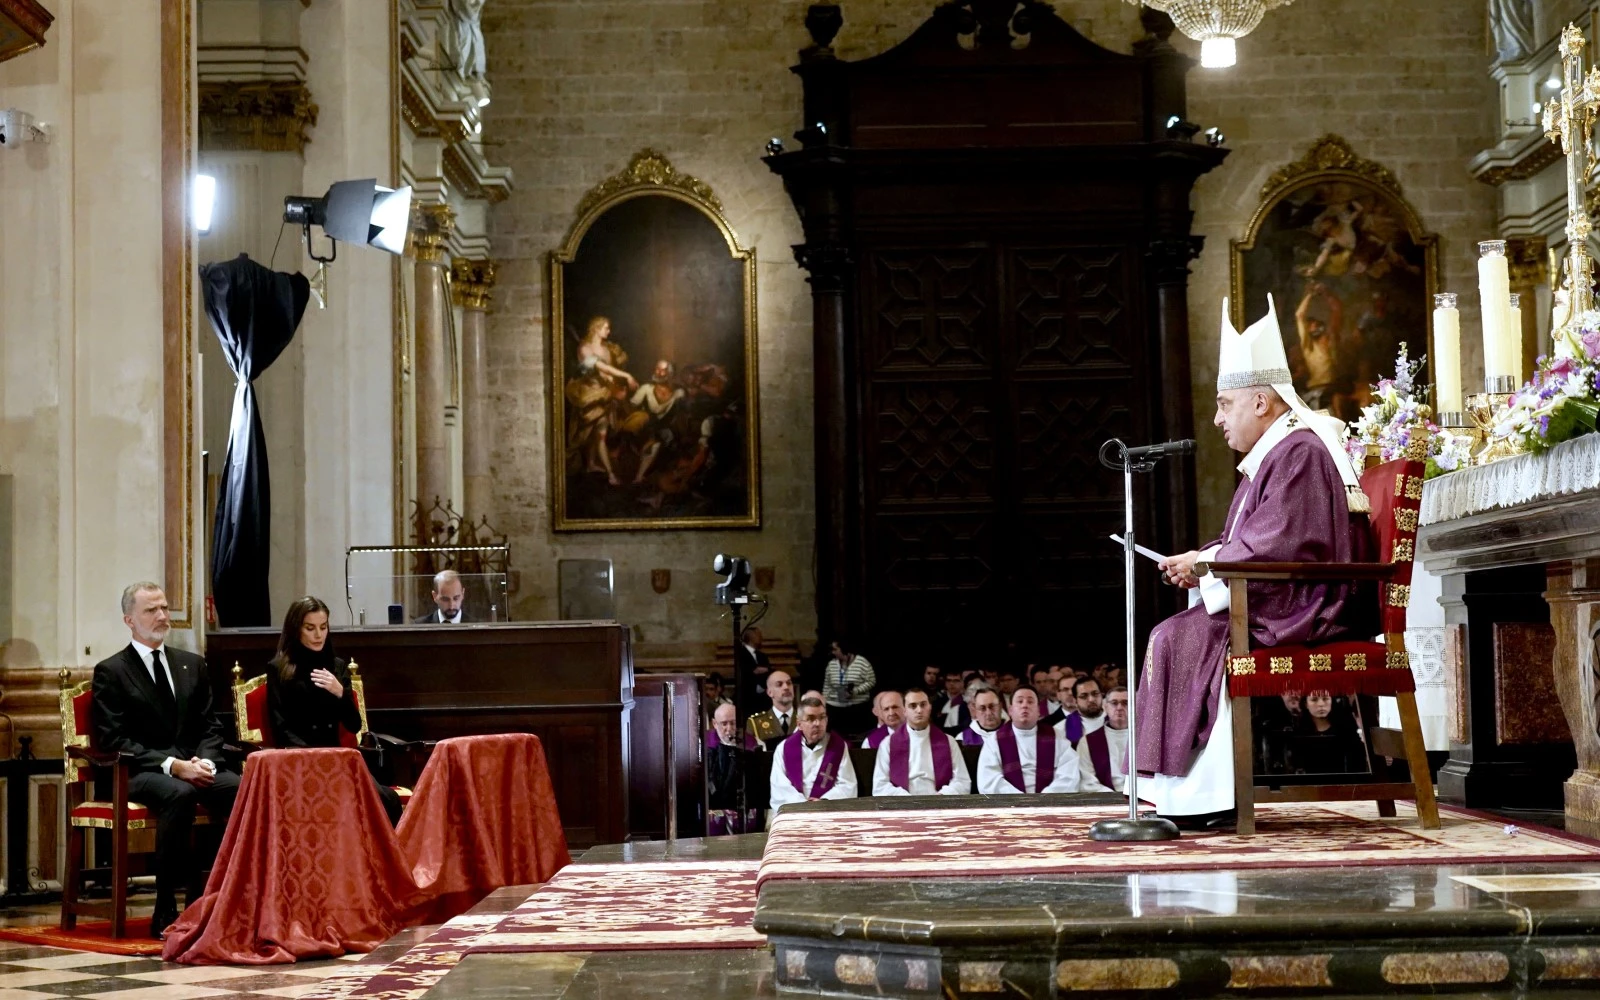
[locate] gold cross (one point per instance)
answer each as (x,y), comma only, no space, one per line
(1569,119)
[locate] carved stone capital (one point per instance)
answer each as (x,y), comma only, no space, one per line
(1170,258)
(272,116)
(470,282)
(828,263)
(431,226)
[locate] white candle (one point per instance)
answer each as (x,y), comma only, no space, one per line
(1514,336)
(1446,354)
(1494,295)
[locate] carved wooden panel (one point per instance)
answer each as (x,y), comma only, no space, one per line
(1059,429)
(935,441)
(935,552)
(1070,307)
(928,308)
(1070,551)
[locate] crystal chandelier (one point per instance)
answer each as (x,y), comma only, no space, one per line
(1215,23)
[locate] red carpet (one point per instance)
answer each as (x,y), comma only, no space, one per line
(951,843)
(640,907)
(89,936)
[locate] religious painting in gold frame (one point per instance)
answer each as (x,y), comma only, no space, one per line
(654,422)
(1350,268)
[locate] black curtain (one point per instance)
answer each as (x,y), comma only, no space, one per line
(254,312)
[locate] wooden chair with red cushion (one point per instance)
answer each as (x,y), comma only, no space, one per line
(253,722)
(1359,668)
(86,812)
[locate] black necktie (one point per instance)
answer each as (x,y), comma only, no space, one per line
(169,702)
(783,723)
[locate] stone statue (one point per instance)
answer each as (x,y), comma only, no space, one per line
(464,40)
(1512,24)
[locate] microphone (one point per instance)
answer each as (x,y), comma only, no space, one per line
(1162,450)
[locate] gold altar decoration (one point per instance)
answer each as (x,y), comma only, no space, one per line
(1569,119)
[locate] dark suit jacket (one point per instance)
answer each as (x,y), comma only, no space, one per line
(128,715)
(304,715)
(432,618)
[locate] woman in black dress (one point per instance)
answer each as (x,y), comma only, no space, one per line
(308,689)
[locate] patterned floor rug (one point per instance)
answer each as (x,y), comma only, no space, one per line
(634,907)
(415,972)
(958,842)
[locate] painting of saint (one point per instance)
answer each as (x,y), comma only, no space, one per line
(1344,255)
(653,344)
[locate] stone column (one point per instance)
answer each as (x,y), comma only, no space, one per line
(433,224)
(1574,596)
(470,282)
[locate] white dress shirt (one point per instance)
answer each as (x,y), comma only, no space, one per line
(783,790)
(951,713)
(147,656)
(991,780)
(919,769)
(1117,747)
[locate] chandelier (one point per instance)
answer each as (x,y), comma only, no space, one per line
(1215,23)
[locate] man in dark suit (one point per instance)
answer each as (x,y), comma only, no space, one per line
(154,702)
(449,594)
(751,663)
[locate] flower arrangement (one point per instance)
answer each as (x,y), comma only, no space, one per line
(1561,402)
(1397,411)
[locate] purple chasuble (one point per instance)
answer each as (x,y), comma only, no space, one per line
(900,758)
(1044,764)
(1100,755)
(1294,510)
(1074,728)
(877,736)
(827,773)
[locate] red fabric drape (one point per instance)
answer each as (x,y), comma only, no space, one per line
(483,815)
(308,868)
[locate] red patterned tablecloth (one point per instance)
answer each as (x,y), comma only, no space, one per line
(308,868)
(483,815)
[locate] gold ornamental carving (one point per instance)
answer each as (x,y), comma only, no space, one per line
(431,226)
(23,24)
(272,116)
(470,282)
(648,169)
(1331,153)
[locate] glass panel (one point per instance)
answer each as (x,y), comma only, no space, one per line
(377,595)
(586,589)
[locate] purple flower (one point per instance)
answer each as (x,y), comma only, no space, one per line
(1563,367)
(1591,343)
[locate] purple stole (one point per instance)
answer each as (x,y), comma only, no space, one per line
(970,738)
(1074,728)
(827,774)
(1044,770)
(877,736)
(1100,755)
(900,757)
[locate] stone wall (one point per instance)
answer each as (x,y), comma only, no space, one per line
(581,87)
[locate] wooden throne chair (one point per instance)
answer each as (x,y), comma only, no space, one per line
(86,811)
(1355,668)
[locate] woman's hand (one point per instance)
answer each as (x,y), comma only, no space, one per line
(326,681)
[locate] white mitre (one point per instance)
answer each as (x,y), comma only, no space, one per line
(1256,357)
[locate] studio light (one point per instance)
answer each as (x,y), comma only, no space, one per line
(354,212)
(205,201)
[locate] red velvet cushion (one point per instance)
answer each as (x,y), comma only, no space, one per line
(98,814)
(257,717)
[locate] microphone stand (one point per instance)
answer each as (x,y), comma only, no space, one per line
(1135,827)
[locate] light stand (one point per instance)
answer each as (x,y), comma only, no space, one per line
(1135,827)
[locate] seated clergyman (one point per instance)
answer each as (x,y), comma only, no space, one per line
(889,708)
(1025,757)
(919,758)
(812,763)
(986,716)
(1103,752)
(1293,505)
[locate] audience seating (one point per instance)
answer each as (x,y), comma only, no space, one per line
(1355,667)
(119,815)
(253,722)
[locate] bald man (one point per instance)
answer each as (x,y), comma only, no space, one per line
(890,710)
(919,758)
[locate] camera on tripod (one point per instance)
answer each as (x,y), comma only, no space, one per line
(735,587)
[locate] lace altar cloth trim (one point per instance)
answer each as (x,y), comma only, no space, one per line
(1569,467)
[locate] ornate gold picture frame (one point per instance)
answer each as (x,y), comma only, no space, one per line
(1351,268)
(654,422)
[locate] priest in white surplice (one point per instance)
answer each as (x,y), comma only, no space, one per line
(1025,757)
(1103,753)
(1294,504)
(812,763)
(918,758)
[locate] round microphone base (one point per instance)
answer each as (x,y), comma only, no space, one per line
(1127,830)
